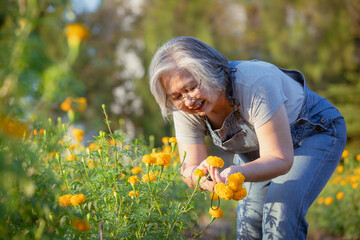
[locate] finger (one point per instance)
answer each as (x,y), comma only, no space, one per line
(218,177)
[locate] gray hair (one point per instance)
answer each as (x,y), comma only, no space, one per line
(187,54)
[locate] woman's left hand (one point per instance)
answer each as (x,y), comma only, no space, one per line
(222,177)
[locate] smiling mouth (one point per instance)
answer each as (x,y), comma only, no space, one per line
(199,106)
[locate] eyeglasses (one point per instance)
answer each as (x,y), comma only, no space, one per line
(177,101)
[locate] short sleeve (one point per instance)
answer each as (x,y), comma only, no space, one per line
(189,128)
(265,98)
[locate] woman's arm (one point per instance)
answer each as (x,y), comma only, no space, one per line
(276,152)
(195,156)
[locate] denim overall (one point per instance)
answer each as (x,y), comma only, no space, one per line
(276,209)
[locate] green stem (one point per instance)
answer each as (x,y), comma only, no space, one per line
(199,234)
(176,173)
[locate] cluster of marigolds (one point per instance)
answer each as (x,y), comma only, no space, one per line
(234,190)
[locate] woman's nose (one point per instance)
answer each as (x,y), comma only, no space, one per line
(189,102)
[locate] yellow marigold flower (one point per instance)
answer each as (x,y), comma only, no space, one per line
(223,191)
(77,199)
(71,158)
(81,225)
(240,194)
(92,164)
(172,140)
(78,132)
(149,178)
(345,153)
(357,171)
(214,196)
(342,183)
(215,161)
(328,201)
(122,176)
(340,195)
(218,213)
(149,159)
(358,157)
(132,194)
(136,170)
(133,179)
(72,146)
(355,185)
(127,147)
(162,159)
(64,200)
(66,105)
(320,200)
(235,181)
(199,172)
(76,32)
(340,169)
(165,140)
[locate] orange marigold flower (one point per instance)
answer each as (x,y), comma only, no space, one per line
(345,153)
(172,140)
(81,225)
(218,213)
(340,195)
(136,170)
(214,196)
(355,185)
(53,154)
(199,172)
(132,194)
(149,178)
(64,200)
(165,140)
(162,159)
(76,32)
(66,105)
(328,201)
(71,158)
(40,132)
(215,161)
(133,179)
(320,200)
(340,169)
(235,181)
(81,104)
(224,191)
(77,199)
(240,194)
(149,159)
(12,127)
(92,146)
(78,132)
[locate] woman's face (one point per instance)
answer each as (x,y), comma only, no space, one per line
(189,96)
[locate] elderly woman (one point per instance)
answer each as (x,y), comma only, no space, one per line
(287,140)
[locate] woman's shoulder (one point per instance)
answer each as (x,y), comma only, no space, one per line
(253,68)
